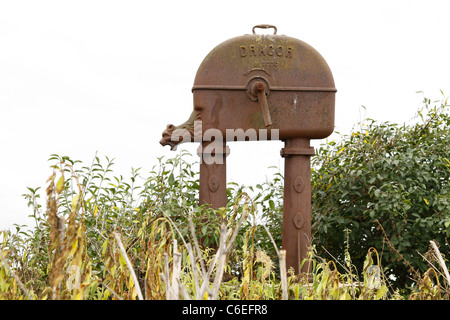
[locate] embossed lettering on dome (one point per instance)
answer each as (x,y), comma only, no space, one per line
(265,51)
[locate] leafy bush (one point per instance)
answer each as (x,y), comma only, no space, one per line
(386,186)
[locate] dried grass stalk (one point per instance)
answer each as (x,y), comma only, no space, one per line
(441,261)
(129,265)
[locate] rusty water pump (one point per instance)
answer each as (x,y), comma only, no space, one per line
(262,87)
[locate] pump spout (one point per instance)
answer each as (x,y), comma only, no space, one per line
(175,135)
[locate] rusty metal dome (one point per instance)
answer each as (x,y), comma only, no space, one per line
(266,81)
(286,63)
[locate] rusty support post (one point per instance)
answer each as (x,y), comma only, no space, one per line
(213,177)
(297,202)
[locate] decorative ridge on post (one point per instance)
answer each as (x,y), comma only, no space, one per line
(285,152)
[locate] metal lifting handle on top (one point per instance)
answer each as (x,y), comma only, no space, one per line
(265,26)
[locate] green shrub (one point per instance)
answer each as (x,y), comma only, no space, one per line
(389,185)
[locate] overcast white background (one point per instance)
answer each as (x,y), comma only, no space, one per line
(78,77)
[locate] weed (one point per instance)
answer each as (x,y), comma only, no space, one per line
(103,237)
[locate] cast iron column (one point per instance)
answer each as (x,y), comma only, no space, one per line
(213,174)
(297,202)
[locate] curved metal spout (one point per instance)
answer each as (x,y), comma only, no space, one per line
(174,135)
(167,137)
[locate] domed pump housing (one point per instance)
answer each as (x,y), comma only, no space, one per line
(259,81)
(262,87)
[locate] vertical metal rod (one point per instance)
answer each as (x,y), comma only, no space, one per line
(297,203)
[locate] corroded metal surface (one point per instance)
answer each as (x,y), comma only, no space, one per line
(261,87)
(299,87)
(297,201)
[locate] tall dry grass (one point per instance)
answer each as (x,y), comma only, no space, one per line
(102,237)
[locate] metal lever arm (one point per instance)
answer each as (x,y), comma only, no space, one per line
(259,90)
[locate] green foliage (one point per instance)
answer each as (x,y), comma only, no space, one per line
(86,205)
(390,186)
(379,196)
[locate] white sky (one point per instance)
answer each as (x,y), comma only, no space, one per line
(78,77)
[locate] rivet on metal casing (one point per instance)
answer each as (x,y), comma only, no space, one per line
(213,183)
(299,184)
(299,220)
